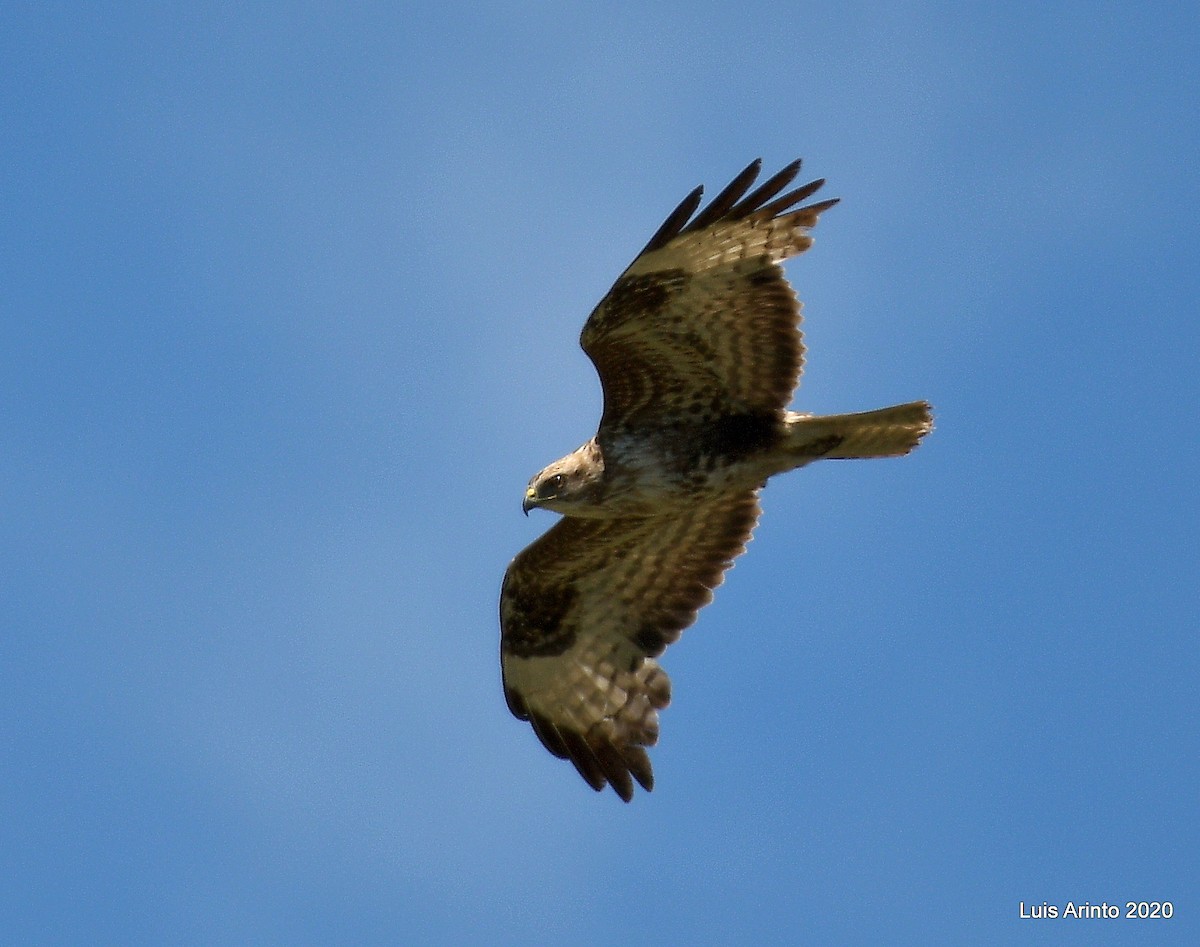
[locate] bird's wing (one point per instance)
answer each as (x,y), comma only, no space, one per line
(704,323)
(586,608)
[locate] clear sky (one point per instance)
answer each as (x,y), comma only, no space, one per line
(289,305)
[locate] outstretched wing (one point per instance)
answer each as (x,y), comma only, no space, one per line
(585,609)
(703,323)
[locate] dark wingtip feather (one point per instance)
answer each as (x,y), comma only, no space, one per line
(584,760)
(792,198)
(765,191)
(720,205)
(616,771)
(823,206)
(807,216)
(549,735)
(638,761)
(672,226)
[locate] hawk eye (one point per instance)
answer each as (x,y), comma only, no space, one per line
(552,485)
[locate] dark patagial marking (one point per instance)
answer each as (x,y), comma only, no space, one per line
(535,623)
(644,295)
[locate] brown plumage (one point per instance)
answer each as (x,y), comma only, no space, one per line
(698,350)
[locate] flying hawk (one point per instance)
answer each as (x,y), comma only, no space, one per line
(698,349)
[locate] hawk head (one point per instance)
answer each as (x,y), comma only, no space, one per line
(567,483)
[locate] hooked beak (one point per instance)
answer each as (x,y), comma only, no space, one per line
(529,502)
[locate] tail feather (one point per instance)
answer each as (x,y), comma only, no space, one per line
(887,432)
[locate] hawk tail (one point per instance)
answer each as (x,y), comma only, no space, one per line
(887,432)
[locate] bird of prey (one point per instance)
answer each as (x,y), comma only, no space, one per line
(698,349)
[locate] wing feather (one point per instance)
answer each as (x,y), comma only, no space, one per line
(674,223)
(704,320)
(586,608)
(768,189)
(720,205)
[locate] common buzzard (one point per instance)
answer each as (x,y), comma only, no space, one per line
(698,349)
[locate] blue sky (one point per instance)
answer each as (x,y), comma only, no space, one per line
(289,302)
